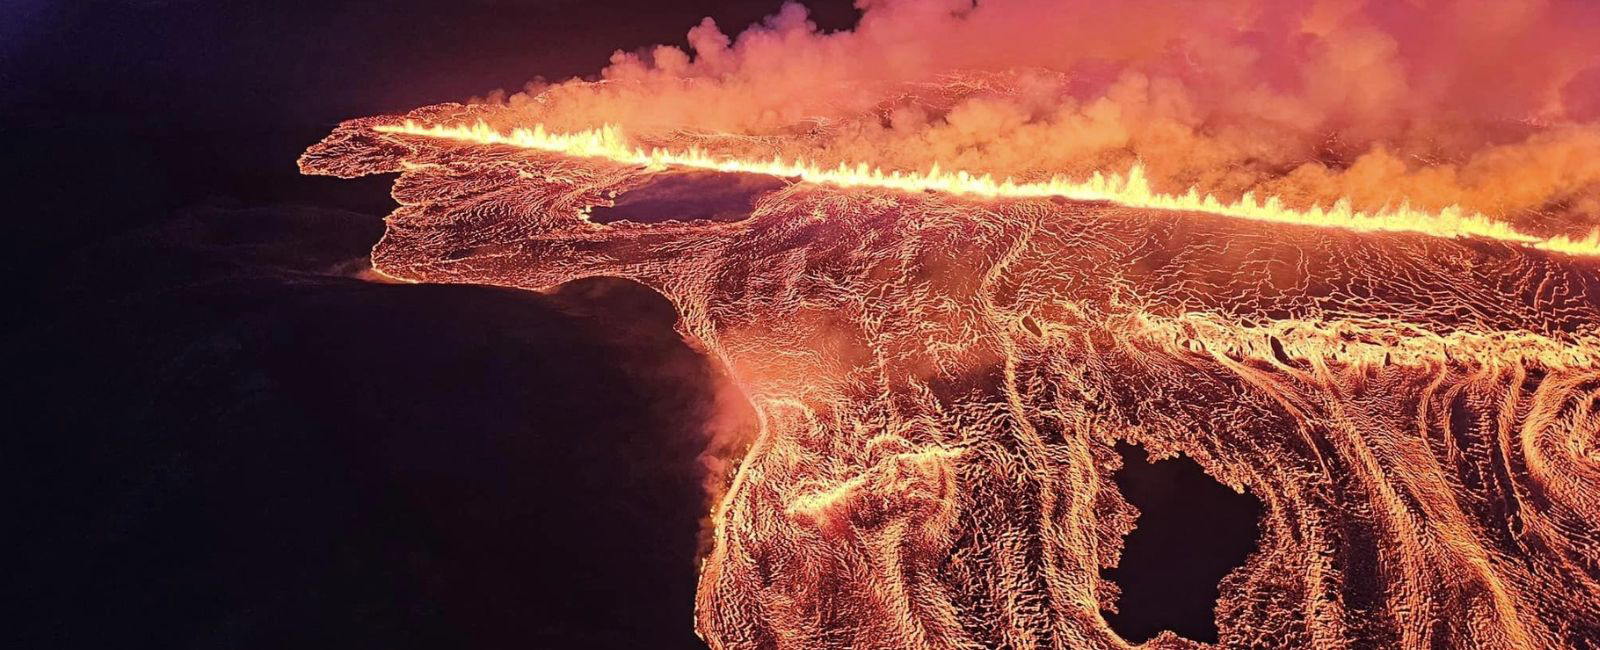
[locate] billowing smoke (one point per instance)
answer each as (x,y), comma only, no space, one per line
(1493,105)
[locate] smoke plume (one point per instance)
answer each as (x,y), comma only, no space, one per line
(1492,105)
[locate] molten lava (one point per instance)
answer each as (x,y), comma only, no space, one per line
(942,362)
(940,379)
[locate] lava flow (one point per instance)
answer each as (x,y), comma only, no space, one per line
(941,363)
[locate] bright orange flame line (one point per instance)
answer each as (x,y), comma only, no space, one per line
(1132,189)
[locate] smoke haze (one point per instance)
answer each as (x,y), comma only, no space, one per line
(1490,105)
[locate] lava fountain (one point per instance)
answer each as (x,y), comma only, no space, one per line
(941,363)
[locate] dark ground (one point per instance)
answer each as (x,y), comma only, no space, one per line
(1191,532)
(223,440)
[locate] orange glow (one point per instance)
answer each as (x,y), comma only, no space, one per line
(1132,189)
(937,385)
(940,359)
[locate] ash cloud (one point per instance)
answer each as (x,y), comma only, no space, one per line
(1493,105)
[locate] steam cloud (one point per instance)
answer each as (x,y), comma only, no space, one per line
(1493,105)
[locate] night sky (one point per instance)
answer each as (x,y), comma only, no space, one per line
(225,440)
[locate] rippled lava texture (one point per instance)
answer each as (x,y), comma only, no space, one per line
(940,382)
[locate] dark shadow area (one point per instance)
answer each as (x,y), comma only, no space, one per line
(232,449)
(1191,532)
(689,196)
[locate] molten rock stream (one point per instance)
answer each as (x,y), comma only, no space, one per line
(939,381)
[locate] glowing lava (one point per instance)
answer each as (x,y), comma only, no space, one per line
(1132,189)
(942,361)
(939,381)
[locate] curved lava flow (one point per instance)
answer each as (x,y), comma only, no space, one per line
(939,382)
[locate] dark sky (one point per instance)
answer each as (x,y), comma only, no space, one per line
(208,64)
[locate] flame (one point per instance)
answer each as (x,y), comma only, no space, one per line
(1132,189)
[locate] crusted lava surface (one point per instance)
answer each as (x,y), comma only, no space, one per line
(940,382)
